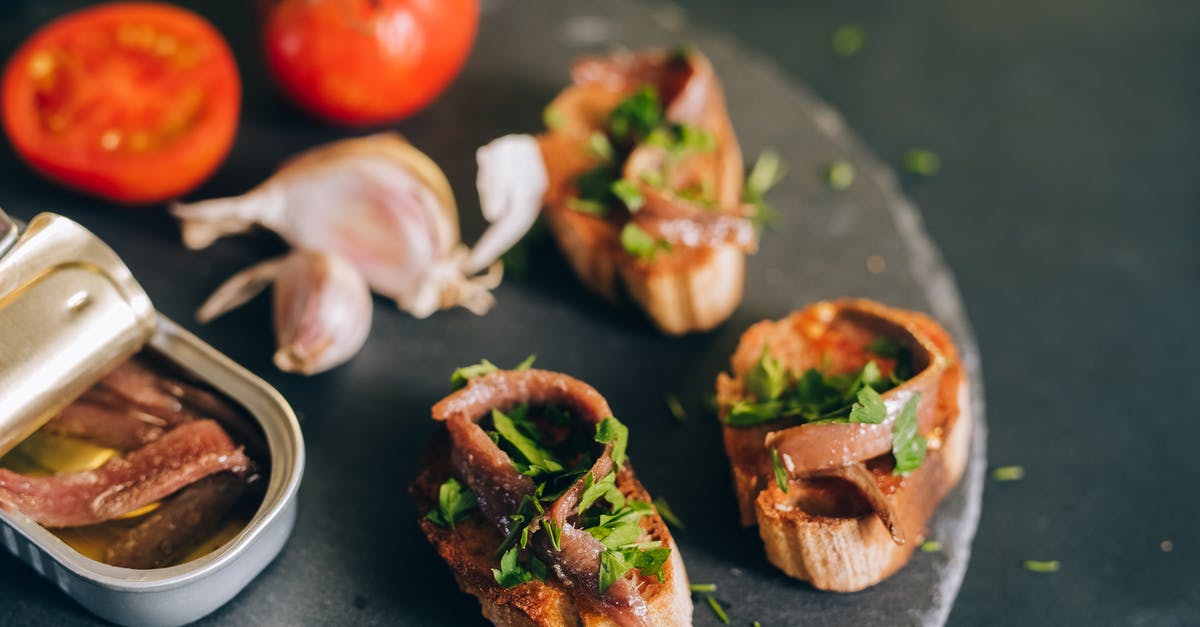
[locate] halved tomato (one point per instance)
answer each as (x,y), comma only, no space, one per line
(133,102)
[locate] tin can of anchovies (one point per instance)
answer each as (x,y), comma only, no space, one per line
(70,312)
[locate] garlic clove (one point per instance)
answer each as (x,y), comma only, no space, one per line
(512,182)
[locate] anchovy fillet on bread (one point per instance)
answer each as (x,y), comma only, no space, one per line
(532,504)
(846,424)
(645,186)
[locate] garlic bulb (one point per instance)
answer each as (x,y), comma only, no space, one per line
(380,204)
(322,308)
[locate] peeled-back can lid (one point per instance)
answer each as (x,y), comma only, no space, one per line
(70,312)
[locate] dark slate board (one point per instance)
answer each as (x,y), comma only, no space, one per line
(356,556)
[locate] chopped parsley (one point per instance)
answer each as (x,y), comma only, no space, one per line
(641,244)
(908,445)
(511,573)
(522,435)
(868,408)
(922,162)
(766,173)
(781,478)
(664,510)
(600,147)
(629,194)
(768,379)
(552,117)
(931,546)
(454,503)
(636,116)
(839,174)
(676,408)
(461,376)
(610,430)
(847,40)
(1008,473)
(717,610)
(703,587)
(1035,566)
(884,346)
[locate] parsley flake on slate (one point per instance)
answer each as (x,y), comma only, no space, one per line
(922,162)
(931,546)
(676,408)
(1008,473)
(908,445)
(839,174)
(641,244)
(780,473)
(1035,566)
(453,504)
(717,610)
(703,587)
(847,40)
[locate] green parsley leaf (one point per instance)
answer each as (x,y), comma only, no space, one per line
(640,244)
(554,532)
(653,178)
(526,363)
(460,376)
(636,116)
(839,174)
(768,379)
(703,587)
(756,624)
(667,513)
(717,610)
(599,146)
(747,414)
(1008,473)
(589,207)
(1035,566)
(931,546)
(552,117)
(594,490)
(537,458)
(869,408)
(650,560)
(613,566)
(611,430)
(781,478)
(884,347)
(629,194)
(767,171)
(453,504)
(537,568)
(922,162)
(511,574)
(847,40)
(908,445)
(676,408)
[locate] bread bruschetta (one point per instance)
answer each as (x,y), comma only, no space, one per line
(528,496)
(846,423)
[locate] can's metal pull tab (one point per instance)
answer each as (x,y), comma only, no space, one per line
(70,312)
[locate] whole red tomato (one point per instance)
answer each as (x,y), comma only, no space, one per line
(362,62)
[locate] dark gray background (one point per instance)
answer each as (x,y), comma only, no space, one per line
(1067,206)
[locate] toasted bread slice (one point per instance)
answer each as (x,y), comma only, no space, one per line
(824,529)
(469,548)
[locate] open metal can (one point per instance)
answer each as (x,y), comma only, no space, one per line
(70,312)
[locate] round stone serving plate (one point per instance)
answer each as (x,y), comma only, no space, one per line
(357,556)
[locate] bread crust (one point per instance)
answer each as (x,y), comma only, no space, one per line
(468,551)
(821,530)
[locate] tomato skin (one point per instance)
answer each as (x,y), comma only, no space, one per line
(138,126)
(366,62)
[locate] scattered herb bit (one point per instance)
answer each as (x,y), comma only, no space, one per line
(703,587)
(554,532)
(611,430)
(599,146)
(931,546)
(629,194)
(768,379)
(780,473)
(667,513)
(537,568)
(552,117)
(511,574)
(640,244)
(522,435)
(884,346)
(526,363)
(590,207)
(847,40)
(614,563)
(908,445)
(922,162)
(1008,473)
(636,116)
(460,376)
(653,178)
(717,610)
(756,624)
(1035,566)
(839,174)
(869,407)
(766,173)
(606,488)
(814,397)
(453,504)
(676,408)
(594,189)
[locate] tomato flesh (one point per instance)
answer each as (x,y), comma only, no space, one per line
(362,62)
(135,102)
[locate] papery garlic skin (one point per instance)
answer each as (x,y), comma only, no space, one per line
(322,308)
